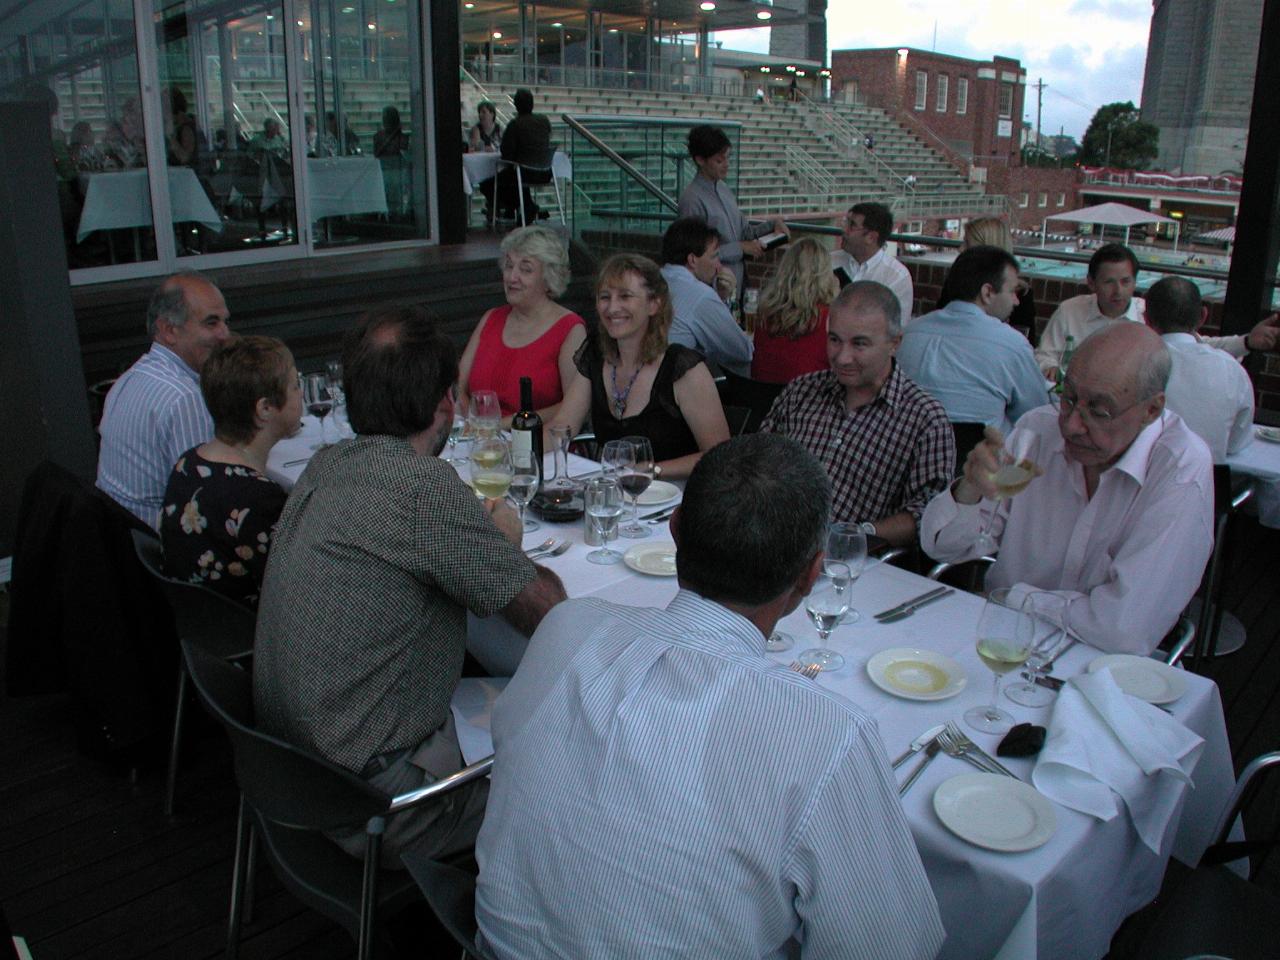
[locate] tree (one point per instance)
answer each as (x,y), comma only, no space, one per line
(1118,137)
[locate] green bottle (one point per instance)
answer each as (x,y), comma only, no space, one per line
(1061,375)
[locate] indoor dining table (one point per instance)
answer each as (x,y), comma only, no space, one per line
(1063,900)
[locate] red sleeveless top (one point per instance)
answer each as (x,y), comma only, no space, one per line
(781,359)
(499,368)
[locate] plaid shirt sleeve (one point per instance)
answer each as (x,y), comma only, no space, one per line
(933,463)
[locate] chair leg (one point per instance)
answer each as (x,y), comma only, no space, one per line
(171,776)
(559,200)
(369,889)
(520,193)
(250,877)
(243,831)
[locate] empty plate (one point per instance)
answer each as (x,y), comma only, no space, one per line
(658,492)
(916,674)
(1142,677)
(1271,434)
(995,812)
(655,559)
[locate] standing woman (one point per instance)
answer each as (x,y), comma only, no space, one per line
(791,325)
(707,196)
(631,382)
(220,508)
(532,335)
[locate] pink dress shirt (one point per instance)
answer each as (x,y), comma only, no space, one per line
(1127,560)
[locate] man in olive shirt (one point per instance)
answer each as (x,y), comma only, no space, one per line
(380,552)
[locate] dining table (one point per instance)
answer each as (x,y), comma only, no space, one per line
(1260,459)
(1062,900)
(122,199)
(480,166)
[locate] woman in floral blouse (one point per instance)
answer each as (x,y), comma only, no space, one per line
(220,507)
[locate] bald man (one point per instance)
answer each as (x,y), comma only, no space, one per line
(155,412)
(1119,520)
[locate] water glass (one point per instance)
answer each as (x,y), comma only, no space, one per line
(458,429)
(602,498)
(847,544)
(486,413)
(1049,615)
(825,605)
(524,484)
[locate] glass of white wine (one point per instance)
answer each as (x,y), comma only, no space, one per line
(603,501)
(1011,478)
(825,605)
(524,484)
(491,470)
(1006,633)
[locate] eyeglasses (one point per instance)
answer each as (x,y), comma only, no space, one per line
(1093,413)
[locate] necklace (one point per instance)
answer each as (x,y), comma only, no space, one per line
(620,396)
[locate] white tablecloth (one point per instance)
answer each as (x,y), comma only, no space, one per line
(1261,460)
(116,200)
(478,167)
(1062,901)
(344,185)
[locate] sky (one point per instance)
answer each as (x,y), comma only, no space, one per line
(1088,52)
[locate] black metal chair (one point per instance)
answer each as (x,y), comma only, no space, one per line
(204,617)
(756,395)
(451,894)
(1214,911)
(288,797)
(527,175)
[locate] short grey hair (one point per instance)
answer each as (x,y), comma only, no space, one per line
(169,301)
(754,515)
(869,293)
(548,248)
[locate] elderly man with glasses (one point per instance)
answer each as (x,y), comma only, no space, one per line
(1119,519)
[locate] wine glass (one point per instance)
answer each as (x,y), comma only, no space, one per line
(524,484)
(457,429)
(486,413)
(635,480)
(603,499)
(1011,477)
(561,485)
(315,394)
(825,605)
(1049,614)
(333,370)
(847,544)
(617,457)
(491,471)
(1005,635)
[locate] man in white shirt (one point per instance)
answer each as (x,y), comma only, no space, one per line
(1119,520)
(700,320)
(1113,272)
(1208,388)
(866,231)
(155,412)
(663,789)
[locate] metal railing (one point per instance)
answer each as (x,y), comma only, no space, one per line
(846,138)
(810,175)
(605,79)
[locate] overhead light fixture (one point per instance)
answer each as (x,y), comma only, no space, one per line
(799,73)
(271,16)
(497,34)
(469,6)
(371,26)
(301,24)
(764,69)
(613,29)
(706,6)
(902,52)
(348,9)
(791,68)
(763,15)
(558,25)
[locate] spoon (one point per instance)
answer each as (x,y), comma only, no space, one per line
(546,544)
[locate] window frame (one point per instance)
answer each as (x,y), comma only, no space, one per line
(962,96)
(922,90)
(941,92)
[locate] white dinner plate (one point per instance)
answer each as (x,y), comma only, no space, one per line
(1142,677)
(995,812)
(658,492)
(655,559)
(916,674)
(1270,434)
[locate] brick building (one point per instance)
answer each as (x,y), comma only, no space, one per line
(973,108)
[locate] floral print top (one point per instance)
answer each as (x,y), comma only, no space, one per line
(216,525)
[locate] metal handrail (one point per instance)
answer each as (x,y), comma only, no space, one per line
(810,174)
(500,114)
(845,134)
(574,124)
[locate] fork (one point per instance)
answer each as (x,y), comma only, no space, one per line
(547,544)
(810,670)
(958,744)
(554,552)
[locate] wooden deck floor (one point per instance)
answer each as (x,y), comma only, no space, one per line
(93,869)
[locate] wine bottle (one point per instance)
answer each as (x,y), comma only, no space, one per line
(1067,352)
(526,433)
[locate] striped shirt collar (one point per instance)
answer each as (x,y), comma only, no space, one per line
(719,629)
(170,359)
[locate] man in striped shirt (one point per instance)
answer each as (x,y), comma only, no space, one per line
(154,412)
(664,789)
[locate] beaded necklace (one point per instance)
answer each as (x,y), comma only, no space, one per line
(620,396)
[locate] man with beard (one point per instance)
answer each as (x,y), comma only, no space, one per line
(380,552)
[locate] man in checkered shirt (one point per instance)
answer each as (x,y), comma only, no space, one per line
(886,444)
(380,552)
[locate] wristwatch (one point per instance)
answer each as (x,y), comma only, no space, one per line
(657,470)
(867,527)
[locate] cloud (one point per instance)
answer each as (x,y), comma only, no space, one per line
(1112,9)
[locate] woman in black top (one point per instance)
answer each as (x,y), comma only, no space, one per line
(220,508)
(632,383)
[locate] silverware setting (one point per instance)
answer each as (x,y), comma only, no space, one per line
(930,752)
(547,544)
(902,610)
(660,516)
(805,670)
(957,744)
(918,744)
(553,552)
(294,463)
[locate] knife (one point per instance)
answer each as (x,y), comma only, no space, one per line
(930,752)
(918,744)
(911,606)
(659,514)
(1041,680)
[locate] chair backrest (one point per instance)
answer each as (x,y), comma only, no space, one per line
(738,418)
(968,436)
(287,785)
(202,615)
(756,395)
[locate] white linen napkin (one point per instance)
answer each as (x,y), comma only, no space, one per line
(1103,744)
(472,706)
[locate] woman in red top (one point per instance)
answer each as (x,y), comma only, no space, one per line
(532,336)
(791,322)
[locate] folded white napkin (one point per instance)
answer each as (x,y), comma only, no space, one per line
(472,705)
(1103,743)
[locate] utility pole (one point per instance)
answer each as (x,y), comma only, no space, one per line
(1039,108)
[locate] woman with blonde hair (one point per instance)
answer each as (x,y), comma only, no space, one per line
(791,324)
(994,232)
(531,335)
(631,382)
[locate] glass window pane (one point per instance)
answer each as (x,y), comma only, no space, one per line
(225,103)
(360,75)
(81,59)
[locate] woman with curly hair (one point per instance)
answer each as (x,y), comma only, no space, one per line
(791,322)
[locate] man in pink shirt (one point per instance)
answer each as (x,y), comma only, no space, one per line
(1119,519)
